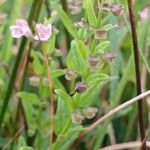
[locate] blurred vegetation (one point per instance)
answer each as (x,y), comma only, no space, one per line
(27,118)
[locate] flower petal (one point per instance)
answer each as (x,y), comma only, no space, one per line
(16,31)
(22,24)
(44,32)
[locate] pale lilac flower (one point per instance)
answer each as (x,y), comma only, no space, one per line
(22,24)
(144,14)
(44,32)
(20,29)
(16,31)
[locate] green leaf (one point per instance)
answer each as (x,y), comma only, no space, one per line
(37,66)
(57,73)
(62,117)
(63,142)
(30,97)
(65,19)
(66,98)
(90,13)
(95,81)
(25,148)
(1,82)
(50,46)
(97,78)
(28,101)
(83,49)
(102,46)
(75,60)
(110,26)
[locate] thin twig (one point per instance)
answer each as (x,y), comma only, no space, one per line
(52,104)
(111,134)
(128,145)
(138,73)
(113,112)
(146,137)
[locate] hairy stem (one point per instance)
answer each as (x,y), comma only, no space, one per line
(52,105)
(24,64)
(138,73)
(52,102)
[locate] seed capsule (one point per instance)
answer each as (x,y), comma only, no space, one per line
(70,74)
(34,81)
(77,118)
(90,112)
(108,57)
(116,9)
(101,34)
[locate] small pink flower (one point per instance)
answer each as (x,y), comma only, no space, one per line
(44,32)
(20,29)
(16,31)
(144,14)
(22,24)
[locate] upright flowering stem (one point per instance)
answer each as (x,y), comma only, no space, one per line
(52,104)
(138,73)
(15,68)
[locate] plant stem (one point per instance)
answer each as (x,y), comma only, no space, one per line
(138,73)
(23,65)
(52,102)
(128,145)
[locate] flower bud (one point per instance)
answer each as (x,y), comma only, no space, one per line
(34,81)
(70,74)
(74,9)
(77,118)
(93,61)
(101,34)
(90,112)
(81,87)
(116,9)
